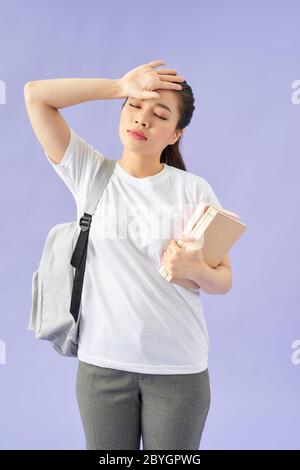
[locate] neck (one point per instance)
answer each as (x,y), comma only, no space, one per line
(140,167)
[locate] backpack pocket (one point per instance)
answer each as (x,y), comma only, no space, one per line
(50,317)
(57,282)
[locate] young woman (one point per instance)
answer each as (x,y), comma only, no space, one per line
(143,365)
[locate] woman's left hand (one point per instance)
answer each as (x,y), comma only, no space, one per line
(181,263)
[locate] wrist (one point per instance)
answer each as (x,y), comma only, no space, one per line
(200,273)
(119,88)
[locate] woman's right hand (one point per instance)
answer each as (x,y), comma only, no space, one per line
(140,82)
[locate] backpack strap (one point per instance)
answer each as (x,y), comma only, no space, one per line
(78,260)
(99,183)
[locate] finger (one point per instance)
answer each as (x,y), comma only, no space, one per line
(180,242)
(148,95)
(167,85)
(167,71)
(169,253)
(164,258)
(155,63)
(173,247)
(175,78)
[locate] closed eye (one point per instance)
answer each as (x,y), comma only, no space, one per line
(165,119)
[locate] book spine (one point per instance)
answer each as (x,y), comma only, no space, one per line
(199,222)
(193,219)
(207,219)
(209,216)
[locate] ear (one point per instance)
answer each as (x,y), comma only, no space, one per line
(177,136)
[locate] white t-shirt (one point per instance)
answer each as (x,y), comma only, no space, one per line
(132,318)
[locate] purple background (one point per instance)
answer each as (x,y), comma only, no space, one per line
(240,59)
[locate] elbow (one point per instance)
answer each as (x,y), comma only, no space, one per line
(228,290)
(29,88)
(228,284)
(229,287)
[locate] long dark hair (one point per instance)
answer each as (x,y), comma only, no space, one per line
(171,154)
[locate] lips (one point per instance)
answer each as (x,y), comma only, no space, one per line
(137,133)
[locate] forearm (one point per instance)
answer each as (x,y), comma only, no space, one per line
(185,283)
(64,92)
(214,280)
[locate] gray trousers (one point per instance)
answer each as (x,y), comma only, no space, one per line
(118,408)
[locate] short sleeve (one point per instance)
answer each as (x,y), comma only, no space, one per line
(77,168)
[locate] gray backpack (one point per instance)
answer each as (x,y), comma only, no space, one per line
(57,283)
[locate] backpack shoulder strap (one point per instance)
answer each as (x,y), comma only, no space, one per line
(99,183)
(78,260)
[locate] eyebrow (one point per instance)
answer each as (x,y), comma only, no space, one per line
(162,105)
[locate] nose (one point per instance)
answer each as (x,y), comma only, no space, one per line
(141,122)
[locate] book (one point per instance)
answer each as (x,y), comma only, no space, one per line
(210,228)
